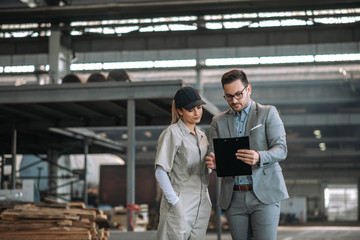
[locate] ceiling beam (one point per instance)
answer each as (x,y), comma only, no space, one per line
(159,9)
(88,92)
(200,39)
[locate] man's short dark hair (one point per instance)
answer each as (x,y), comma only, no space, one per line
(233,75)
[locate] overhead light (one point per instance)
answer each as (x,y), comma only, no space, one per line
(148,134)
(85,66)
(286,59)
(19,69)
(317,134)
(56,2)
(232,61)
(175,63)
(342,71)
(127,65)
(30,3)
(283,59)
(337,57)
(322,146)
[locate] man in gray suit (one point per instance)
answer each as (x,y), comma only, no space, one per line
(251,202)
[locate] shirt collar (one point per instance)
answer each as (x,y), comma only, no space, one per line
(185,130)
(245,110)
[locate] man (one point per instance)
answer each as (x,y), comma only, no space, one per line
(251,202)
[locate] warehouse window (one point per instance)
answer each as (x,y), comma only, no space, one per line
(341,202)
(186,63)
(282,59)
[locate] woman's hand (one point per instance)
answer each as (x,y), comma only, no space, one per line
(210,161)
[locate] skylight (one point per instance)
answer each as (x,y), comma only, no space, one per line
(190,23)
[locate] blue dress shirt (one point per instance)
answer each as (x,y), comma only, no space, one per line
(240,121)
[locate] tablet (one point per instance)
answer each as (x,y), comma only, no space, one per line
(226,162)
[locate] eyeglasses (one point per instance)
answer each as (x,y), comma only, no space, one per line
(238,95)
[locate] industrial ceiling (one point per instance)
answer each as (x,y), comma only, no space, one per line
(319,102)
(70,10)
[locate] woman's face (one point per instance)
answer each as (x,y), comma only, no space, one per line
(192,116)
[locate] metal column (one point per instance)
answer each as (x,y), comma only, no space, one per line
(130,170)
(218,210)
(2,171)
(13,162)
(54,51)
(198,79)
(358,200)
(59,57)
(199,85)
(86,152)
(52,157)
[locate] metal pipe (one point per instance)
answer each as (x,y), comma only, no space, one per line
(60,186)
(48,177)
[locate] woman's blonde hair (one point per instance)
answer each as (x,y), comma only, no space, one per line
(174,113)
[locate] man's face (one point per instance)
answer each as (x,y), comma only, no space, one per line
(237,95)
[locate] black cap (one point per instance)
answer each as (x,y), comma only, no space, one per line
(188,98)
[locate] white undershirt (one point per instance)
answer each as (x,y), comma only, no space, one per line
(165,185)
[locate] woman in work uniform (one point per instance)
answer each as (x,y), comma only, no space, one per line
(181,171)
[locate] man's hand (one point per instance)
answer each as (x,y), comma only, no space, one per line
(250,157)
(210,161)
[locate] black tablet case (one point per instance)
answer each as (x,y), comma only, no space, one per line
(226,162)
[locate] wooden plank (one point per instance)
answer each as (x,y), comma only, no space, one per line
(26,226)
(77,205)
(29,221)
(26,214)
(84,224)
(41,221)
(16,236)
(84,213)
(78,231)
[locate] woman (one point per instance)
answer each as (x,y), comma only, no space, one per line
(181,171)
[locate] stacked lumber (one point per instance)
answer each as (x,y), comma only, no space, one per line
(53,221)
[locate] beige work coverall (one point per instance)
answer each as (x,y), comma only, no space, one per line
(182,155)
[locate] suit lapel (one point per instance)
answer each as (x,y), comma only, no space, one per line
(252,116)
(230,122)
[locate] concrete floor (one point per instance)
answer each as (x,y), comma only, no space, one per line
(300,232)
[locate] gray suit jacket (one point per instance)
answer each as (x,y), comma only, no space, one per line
(267,136)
